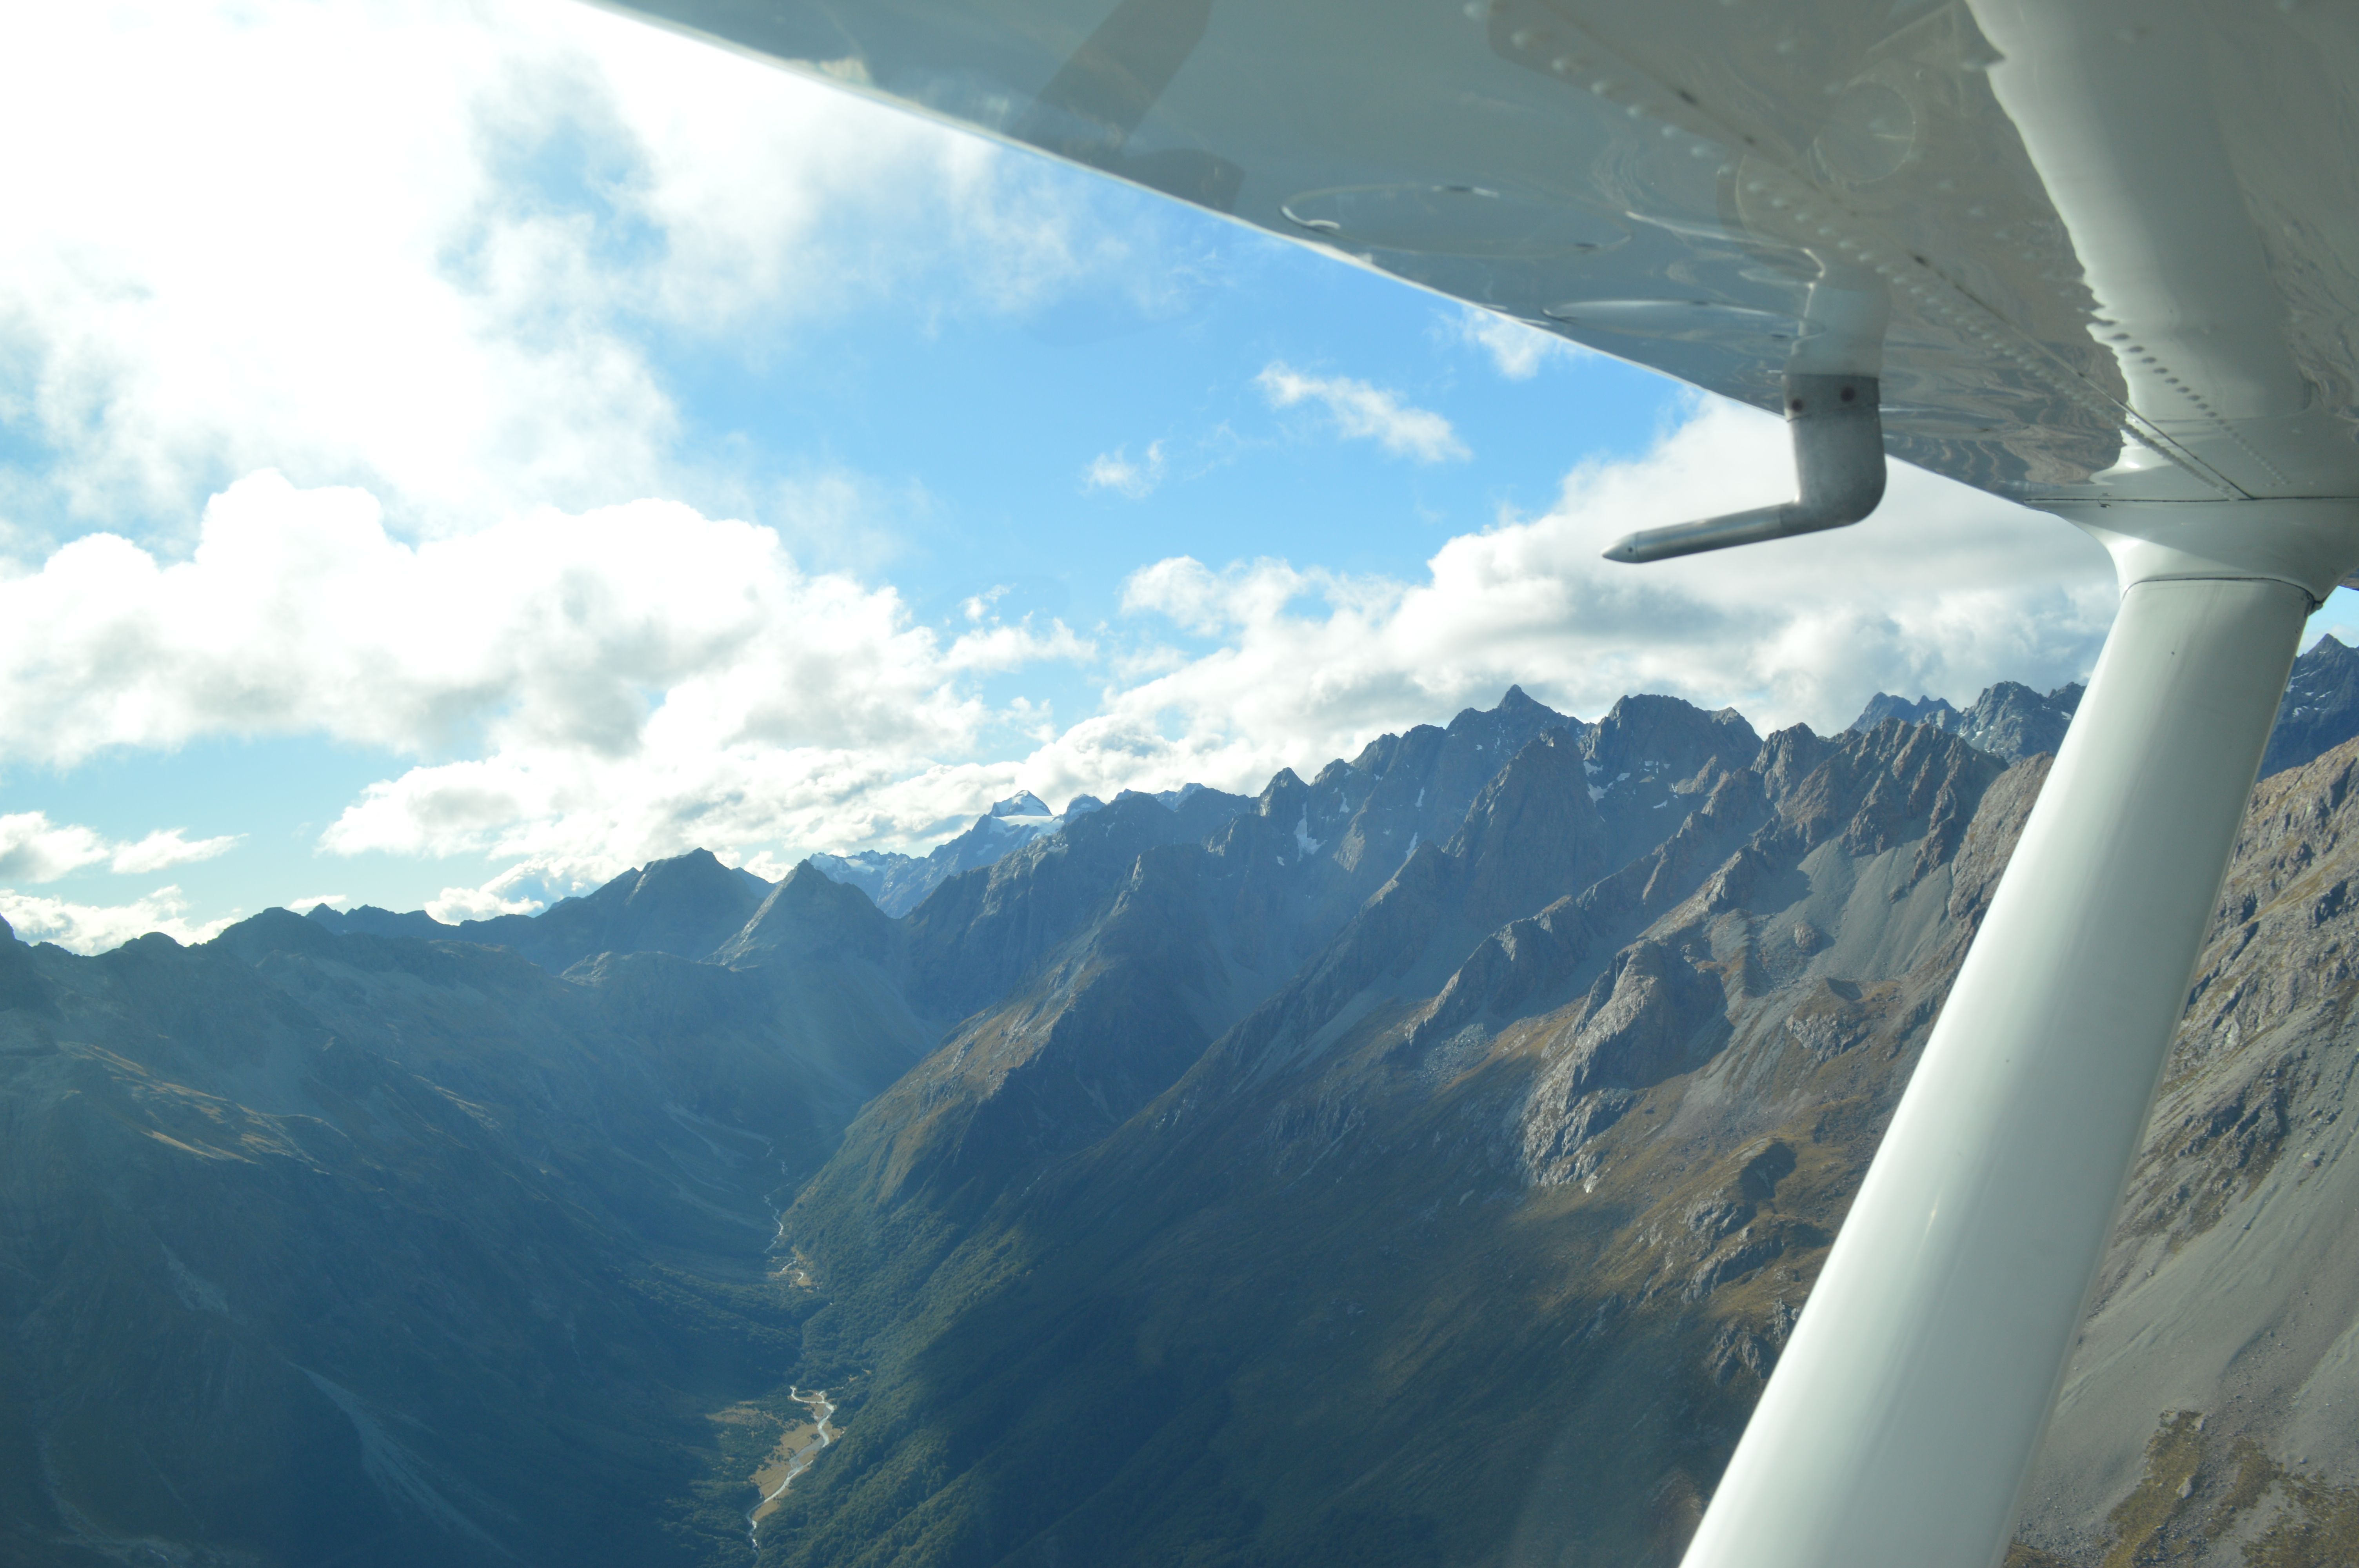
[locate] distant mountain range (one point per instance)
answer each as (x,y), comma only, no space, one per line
(2321,711)
(1418,1163)
(690,906)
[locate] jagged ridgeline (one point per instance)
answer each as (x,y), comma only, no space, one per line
(1419,1164)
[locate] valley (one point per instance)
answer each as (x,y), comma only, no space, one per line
(1421,1162)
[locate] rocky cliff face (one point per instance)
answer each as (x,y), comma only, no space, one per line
(2009,720)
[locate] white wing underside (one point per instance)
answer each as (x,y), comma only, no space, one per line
(2096,252)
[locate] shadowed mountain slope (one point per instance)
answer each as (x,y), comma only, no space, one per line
(340,1249)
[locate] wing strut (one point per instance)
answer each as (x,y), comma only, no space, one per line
(1901,1423)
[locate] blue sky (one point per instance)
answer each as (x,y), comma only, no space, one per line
(452,453)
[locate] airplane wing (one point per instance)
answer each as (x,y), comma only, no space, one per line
(2098,257)
(2125,266)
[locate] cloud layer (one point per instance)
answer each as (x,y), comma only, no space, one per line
(1945,590)
(637,678)
(457,236)
(586,691)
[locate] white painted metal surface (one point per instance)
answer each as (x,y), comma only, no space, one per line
(2093,249)
(1904,1415)
(1838,469)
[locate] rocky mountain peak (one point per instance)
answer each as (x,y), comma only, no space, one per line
(2009,719)
(2320,710)
(1790,755)
(678,883)
(809,914)
(1934,711)
(1533,835)
(21,986)
(897,884)
(1666,737)
(2012,721)
(686,906)
(1285,788)
(1877,788)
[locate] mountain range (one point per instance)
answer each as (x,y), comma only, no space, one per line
(1421,1162)
(2319,711)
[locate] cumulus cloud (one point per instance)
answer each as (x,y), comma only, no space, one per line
(1517,350)
(457,904)
(456,230)
(35,849)
(646,624)
(634,681)
(94,928)
(584,693)
(1114,470)
(1944,591)
(1362,412)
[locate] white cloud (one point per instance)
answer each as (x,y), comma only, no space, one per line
(1517,350)
(422,246)
(646,624)
(94,928)
(635,681)
(588,692)
(160,850)
(1114,470)
(1944,591)
(35,849)
(1363,412)
(457,904)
